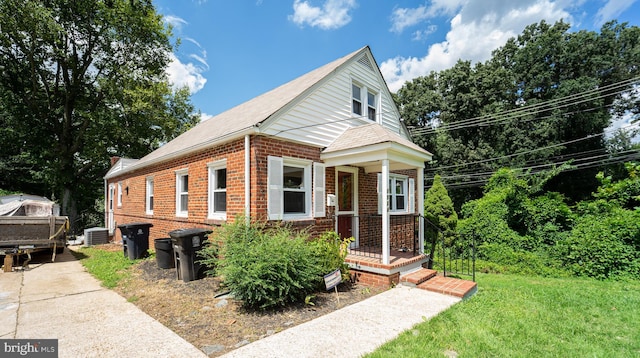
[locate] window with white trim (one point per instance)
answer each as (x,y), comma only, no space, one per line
(397,194)
(290,188)
(372,105)
(400,194)
(149,196)
(361,96)
(218,190)
(356,99)
(119,194)
(182,193)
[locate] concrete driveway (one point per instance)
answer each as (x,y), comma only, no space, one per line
(62,301)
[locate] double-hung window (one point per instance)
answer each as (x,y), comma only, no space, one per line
(371,106)
(363,98)
(218,190)
(397,194)
(182,193)
(356,94)
(400,194)
(149,196)
(290,188)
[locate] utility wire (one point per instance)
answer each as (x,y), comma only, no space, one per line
(604,91)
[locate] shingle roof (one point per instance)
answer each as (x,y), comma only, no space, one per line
(235,121)
(369,134)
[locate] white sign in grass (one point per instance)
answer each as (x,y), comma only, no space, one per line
(332,279)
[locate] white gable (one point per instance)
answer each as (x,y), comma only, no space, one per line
(324,112)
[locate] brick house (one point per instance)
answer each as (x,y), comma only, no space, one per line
(316,152)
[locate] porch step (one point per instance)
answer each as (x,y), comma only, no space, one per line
(417,277)
(450,286)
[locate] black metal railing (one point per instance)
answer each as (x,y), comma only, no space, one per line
(403,235)
(453,254)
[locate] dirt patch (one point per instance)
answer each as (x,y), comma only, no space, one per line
(204,314)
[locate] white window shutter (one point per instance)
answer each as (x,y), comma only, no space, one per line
(318,190)
(379,189)
(275,199)
(412,195)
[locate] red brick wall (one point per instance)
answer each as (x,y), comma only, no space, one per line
(164,217)
(374,279)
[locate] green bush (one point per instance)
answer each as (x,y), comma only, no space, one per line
(273,267)
(329,251)
(520,261)
(604,245)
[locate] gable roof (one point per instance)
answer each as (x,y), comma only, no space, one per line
(120,166)
(367,135)
(242,119)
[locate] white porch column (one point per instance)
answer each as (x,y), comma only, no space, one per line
(420,194)
(384,189)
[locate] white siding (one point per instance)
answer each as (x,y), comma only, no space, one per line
(325,113)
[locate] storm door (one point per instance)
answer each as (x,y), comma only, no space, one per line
(347,203)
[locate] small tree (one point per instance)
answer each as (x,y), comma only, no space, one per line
(439,211)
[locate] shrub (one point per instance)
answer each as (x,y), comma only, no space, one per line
(273,267)
(329,252)
(604,245)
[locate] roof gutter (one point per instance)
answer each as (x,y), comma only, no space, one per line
(186,151)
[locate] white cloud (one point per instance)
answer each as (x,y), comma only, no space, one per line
(421,35)
(477,29)
(611,10)
(402,18)
(175,22)
(205,117)
(332,15)
(185,74)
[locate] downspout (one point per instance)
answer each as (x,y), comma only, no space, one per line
(247,178)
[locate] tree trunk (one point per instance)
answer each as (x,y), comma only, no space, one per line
(69,207)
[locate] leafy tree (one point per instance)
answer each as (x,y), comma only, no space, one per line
(439,211)
(544,87)
(82,81)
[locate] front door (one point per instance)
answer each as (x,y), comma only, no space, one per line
(347,203)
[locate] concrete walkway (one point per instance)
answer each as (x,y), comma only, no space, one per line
(354,330)
(62,301)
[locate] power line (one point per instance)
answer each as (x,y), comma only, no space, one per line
(591,136)
(604,91)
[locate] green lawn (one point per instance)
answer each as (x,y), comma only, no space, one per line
(107,266)
(517,316)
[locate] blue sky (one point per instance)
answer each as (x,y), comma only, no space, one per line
(232,51)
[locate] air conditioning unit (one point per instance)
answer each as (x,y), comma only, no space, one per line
(96,236)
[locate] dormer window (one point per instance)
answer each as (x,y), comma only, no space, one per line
(361,94)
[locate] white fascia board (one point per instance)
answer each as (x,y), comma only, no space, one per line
(186,151)
(400,156)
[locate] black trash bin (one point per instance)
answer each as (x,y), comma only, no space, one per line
(186,244)
(135,239)
(164,253)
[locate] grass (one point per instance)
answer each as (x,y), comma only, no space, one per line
(107,266)
(519,316)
